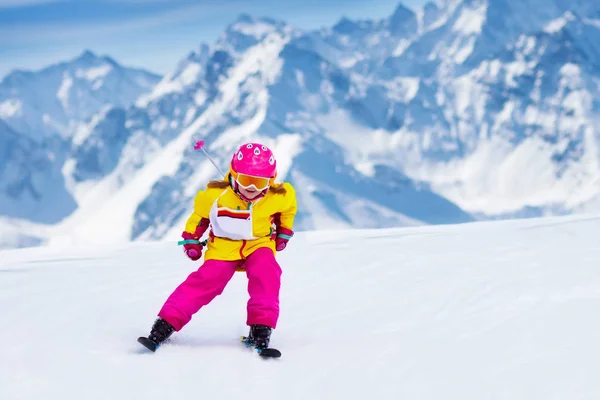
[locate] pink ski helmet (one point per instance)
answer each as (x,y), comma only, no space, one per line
(254,159)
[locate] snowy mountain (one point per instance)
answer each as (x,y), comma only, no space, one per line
(538,104)
(362,45)
(460,34)
(44,119)
(29,174)
(273,91)
(462,110)
(55,100)
(462,312)
(460,99)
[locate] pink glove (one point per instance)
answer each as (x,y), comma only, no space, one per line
(191,245)
(282,238)
(193,251)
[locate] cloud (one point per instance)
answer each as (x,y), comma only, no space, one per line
(55,32)
(142,1)
(23,3)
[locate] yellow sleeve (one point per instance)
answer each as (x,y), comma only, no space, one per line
(289,207)
(202,204)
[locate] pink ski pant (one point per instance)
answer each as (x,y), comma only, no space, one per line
(209,281)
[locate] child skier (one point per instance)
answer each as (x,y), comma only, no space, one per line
(250,218)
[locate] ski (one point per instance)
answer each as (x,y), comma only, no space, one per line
(269,352)
(147,343)
(265,353)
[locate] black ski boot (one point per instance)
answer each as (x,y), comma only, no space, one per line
(161,331)
(259,338)
(260,335)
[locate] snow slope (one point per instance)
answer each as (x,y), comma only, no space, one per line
(487,310)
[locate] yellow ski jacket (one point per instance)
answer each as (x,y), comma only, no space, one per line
(262,216)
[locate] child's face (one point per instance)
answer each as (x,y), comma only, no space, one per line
(249,193)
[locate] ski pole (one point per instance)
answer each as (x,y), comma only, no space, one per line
(199,145)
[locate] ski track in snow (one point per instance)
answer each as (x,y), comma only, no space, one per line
(491,310)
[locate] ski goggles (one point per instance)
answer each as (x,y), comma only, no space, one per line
(247,181)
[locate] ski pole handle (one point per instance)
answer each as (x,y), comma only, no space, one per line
(199,145)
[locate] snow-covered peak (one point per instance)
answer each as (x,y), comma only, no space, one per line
(91,66)
(430,14)
(187,74)
(448,6)
(31,185)
(470,20)
(255,27)
(568,38)
(460,34)
(247,31)
(84,61)
(53,100)
(361,46)
(347,26)
(87,57)
(403,21)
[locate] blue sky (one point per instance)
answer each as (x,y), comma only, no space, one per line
(152,34)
